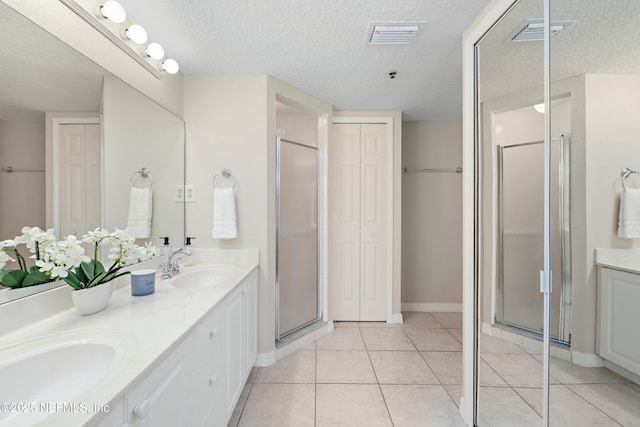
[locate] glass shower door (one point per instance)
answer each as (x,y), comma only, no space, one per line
(521,237)
(298,302)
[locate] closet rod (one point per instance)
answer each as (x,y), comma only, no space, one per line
(456,170)
(10,169)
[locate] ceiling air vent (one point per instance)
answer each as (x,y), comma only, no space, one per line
(533,30)
(392,33)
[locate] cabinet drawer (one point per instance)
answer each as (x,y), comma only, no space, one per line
(209,385)
(210,337)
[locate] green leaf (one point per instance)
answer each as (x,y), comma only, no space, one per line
(100,278)
(92,269)
(35,277)
(72,281)
(13,278)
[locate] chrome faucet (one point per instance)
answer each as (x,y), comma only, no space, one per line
(172,268)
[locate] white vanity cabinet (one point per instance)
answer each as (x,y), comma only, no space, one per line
(241,345)
(165,396)
(200,382)
(619,317)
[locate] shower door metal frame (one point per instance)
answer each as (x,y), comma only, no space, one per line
(279,334)
(564,220)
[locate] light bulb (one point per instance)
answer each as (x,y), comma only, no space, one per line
(170,66)
(113,11)
(155,51)
(136,34)
(539,108)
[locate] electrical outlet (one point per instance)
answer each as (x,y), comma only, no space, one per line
(178,196)
(189,193)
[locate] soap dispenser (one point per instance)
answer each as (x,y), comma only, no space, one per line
(166,249)
(188,247)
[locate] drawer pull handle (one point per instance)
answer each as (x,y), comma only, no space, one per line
(213,379)
(141,410)
(213,332)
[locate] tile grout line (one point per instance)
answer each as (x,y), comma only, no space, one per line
(376,376)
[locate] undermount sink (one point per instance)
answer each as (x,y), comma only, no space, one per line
(40,375)
(203,276)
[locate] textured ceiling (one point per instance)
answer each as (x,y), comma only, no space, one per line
(318,46)
(605,39)
(40,73)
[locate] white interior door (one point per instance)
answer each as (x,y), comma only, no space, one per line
(359,266)
(79,178)
(345,233)
(373,202)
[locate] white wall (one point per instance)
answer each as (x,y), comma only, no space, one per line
(22,146)
(138,133)
(231,123)
(432,215)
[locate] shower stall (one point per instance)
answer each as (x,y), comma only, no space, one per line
(297,286)
(519,302)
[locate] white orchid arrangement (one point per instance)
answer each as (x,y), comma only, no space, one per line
(38,242)
(66,259)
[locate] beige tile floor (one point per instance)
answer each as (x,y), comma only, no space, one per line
(374,374)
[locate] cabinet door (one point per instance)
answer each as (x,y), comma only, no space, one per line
(235,349)
(250,305)
(165,397)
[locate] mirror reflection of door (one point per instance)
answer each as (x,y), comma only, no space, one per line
(78,178)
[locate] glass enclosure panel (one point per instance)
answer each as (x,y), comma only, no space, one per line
(595,67)
(510,83)
(297,246)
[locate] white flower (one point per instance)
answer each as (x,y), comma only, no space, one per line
(62,256)
(36,240)
(4,258)
(8,244)
(96,236)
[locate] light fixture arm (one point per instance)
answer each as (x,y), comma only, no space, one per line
(115,39)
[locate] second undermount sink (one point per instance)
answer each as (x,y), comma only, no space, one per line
(203,276)
(55,370)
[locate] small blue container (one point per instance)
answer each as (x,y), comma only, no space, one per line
(143,282)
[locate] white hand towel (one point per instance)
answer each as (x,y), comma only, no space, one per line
(225,222)
(629,218)
(140,210)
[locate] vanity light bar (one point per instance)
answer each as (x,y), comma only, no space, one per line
(135,33)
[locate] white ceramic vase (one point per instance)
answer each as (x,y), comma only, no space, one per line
(92,300)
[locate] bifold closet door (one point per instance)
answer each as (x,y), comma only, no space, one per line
(358,268)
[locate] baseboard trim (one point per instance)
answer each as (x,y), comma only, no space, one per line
(622,371)
(265,359)
(432,307)
(396,318)
(588,360)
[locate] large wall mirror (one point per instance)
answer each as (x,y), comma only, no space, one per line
(594,133)
(75,141)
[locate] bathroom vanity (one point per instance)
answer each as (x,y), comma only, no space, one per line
(618,313)
(180,356)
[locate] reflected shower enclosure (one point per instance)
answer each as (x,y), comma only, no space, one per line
(519,301)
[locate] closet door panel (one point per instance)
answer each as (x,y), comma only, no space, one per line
(374,201)
(344,258)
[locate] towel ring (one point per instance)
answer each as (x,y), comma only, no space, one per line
(625,173)
(226,174)
(143,173)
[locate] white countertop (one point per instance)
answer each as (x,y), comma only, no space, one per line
(151,326)
(619,259)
